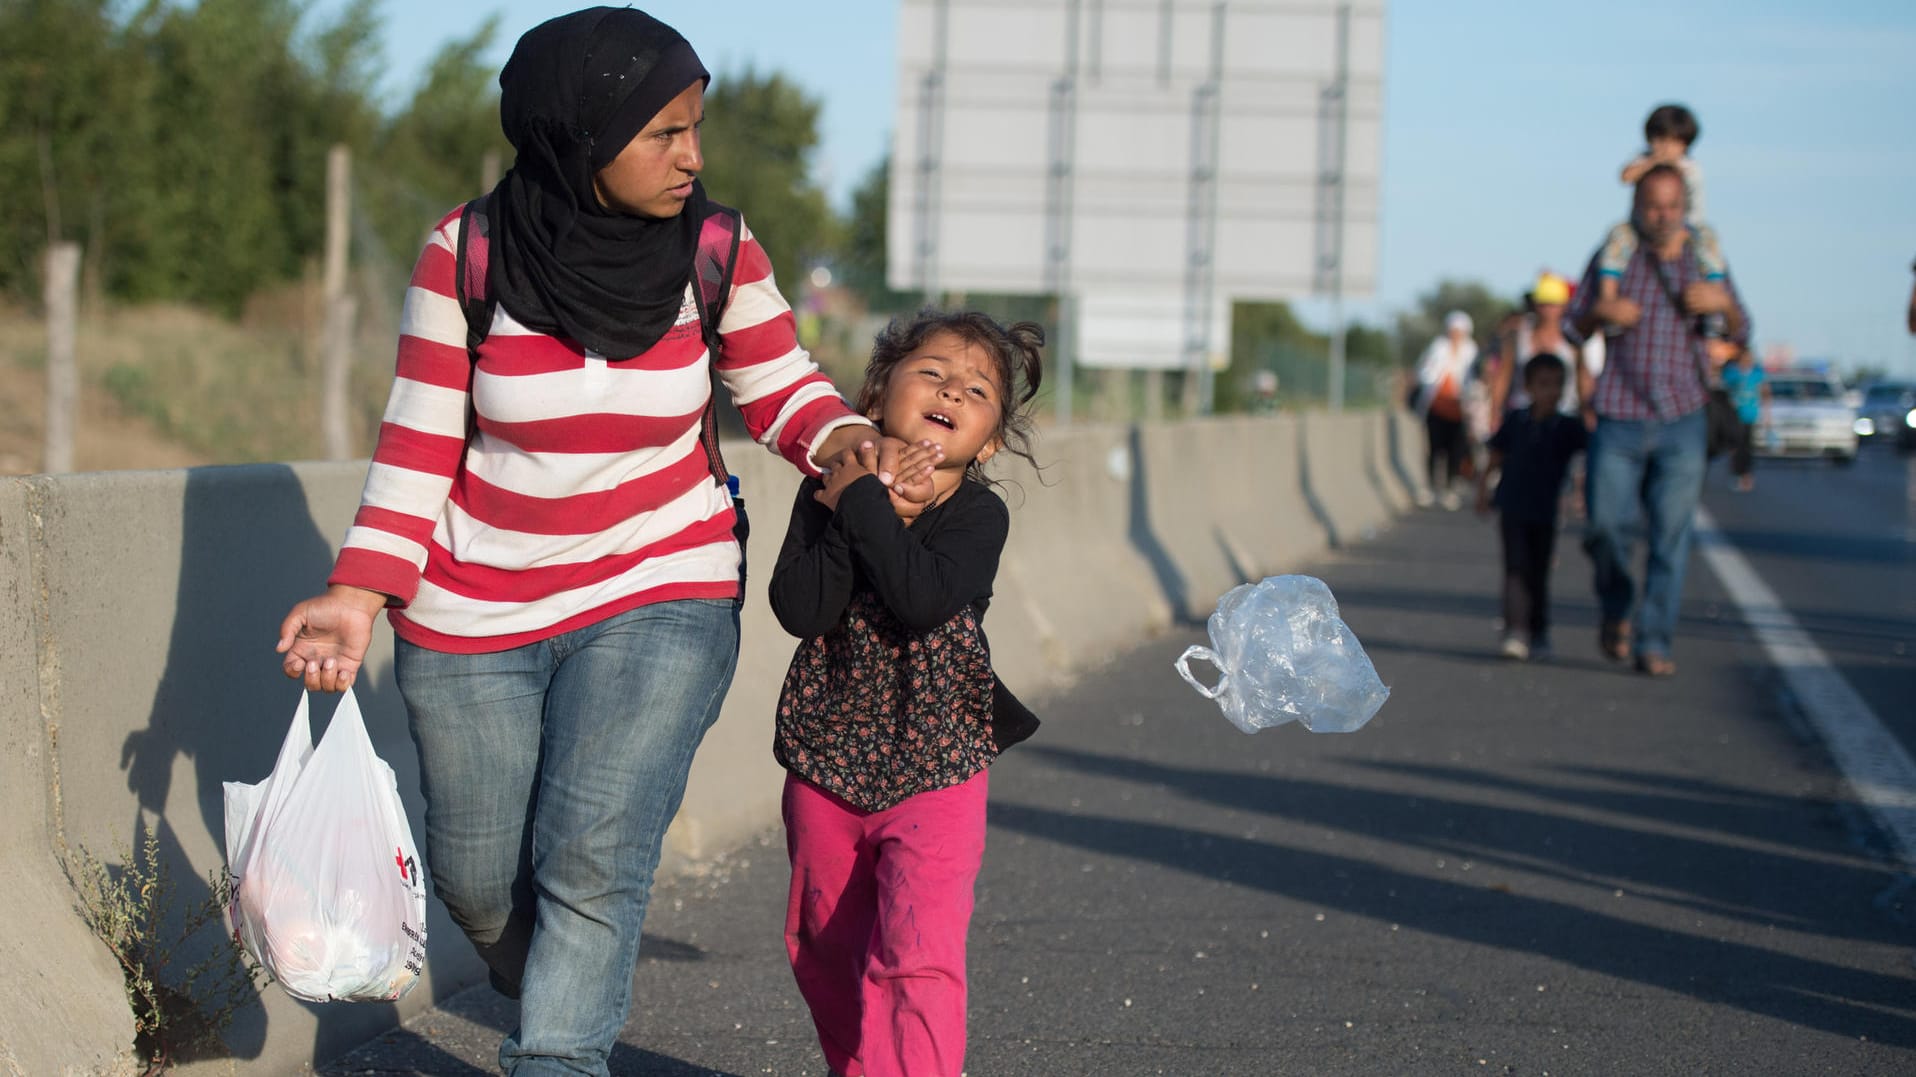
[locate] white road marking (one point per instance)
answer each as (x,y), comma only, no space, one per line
(1872,760)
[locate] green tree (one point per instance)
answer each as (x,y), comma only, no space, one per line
(759,134)
(185,145)
(1369,345)
(61,72)
(862,255)
(1419,325)
(430,156)
(1269,337)
(254,108)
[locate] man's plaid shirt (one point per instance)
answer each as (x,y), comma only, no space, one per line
(1654,371)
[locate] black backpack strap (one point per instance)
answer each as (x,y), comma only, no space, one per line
(717,258)
(713,264)
(1691,337)
(712,268)
(471,262)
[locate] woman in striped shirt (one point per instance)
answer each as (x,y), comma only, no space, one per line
(544,529)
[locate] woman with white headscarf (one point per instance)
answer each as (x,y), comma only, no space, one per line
(1442,377)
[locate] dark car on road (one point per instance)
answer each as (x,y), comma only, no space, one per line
(1888,414)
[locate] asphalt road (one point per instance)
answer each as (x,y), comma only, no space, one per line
(1838,546)
(1538,869)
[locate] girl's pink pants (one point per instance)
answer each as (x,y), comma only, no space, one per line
(876,921)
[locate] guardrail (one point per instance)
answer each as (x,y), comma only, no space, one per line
(138,612)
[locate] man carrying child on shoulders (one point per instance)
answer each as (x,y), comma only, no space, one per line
(1648,446)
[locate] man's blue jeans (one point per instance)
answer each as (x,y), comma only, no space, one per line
(1650,470)
(551,772)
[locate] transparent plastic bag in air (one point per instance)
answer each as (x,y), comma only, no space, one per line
(1283,654)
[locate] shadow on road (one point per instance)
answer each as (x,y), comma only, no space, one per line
(422,1058)
(1144,537)
(1722,878)
(406,1051)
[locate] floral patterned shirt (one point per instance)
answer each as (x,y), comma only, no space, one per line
(891,691)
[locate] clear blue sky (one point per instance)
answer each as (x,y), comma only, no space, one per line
(1505,125)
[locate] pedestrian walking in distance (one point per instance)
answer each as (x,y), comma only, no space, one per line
(1530,454)
(1443,376)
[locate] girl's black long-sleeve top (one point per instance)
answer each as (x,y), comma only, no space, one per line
(891,690)
(924,573)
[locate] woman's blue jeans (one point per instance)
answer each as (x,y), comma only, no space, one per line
(1650,470)
(550,773)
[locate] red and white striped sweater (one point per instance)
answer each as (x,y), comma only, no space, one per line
(582,491)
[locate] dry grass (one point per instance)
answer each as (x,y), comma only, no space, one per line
(169,386)
(165,386)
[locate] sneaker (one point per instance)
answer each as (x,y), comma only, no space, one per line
(1515,649)
(1540,648)
(1424,500)
(1451,501)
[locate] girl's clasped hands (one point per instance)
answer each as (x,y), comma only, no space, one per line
(911,488)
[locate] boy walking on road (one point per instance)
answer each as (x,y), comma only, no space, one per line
(1531,452)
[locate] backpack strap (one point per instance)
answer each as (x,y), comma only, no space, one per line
(712,268)
(471,262)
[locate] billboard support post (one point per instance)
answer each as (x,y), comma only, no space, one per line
(1201,267)
(1334,120)
(931,137)
(1062,135)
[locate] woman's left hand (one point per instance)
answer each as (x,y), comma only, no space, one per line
(845,441)
(844,470)
(852,439)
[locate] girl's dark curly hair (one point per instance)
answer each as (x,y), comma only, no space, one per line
(1016,351)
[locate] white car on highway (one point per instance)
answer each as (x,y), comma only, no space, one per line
(1808,415)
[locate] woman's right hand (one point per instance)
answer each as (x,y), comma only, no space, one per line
(325,637)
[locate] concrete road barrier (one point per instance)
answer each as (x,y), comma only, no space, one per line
(62,1005)
(137,670)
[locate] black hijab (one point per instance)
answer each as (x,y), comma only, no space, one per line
(575,91)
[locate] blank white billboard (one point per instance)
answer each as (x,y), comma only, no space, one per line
(1152,159)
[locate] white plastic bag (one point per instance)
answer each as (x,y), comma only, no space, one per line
(327,889)
(1284,654)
